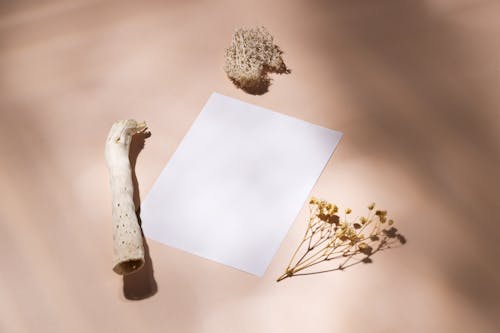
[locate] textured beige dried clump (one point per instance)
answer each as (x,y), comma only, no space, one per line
(251,57)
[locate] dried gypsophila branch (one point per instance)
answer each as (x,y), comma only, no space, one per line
(327,238)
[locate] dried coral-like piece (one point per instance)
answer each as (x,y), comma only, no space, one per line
(251,57)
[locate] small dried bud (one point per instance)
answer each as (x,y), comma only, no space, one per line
(348,211)
(324,217)
(365,248)
(372,205)
(333,219)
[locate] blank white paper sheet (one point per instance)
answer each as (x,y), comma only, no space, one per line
(236,183)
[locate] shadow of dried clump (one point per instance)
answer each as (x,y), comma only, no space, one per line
(260,85)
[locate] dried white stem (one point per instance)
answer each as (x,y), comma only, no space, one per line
(127,236)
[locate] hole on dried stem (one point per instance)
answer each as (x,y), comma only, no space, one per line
(129,266)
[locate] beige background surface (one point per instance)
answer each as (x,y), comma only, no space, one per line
(414,85)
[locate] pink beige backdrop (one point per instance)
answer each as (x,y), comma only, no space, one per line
(414,85)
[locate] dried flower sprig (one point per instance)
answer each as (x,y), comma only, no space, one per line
(329,238)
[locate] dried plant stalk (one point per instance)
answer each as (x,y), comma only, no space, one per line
(340,242)
(127,235)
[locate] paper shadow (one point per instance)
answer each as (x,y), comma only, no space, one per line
(141,284)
